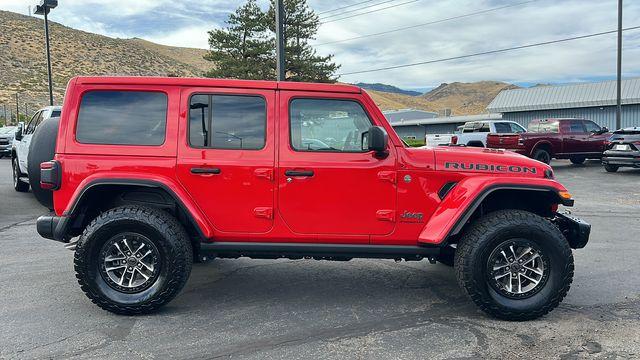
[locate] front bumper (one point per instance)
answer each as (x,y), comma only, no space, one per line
(575,230)
(53,227)
(621,158)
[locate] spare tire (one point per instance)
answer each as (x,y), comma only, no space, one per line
(42,149)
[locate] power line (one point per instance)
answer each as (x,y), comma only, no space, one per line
(370,11)
(489,52)
(427,23)
(344,7)
(354,10)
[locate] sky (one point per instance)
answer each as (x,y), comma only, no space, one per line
(499,24)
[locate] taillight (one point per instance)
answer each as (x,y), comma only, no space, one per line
(454,140)
(50,175)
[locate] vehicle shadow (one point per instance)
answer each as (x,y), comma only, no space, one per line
(358,287)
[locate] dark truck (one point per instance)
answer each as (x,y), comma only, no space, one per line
(573,139)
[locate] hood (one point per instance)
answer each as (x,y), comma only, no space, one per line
(489,161)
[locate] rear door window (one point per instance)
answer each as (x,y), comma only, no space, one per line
(232,122)
(576,126)
(122,118)
(502,128)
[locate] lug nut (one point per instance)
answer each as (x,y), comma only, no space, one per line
(130,268)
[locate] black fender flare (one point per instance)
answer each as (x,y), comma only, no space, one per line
(70,215)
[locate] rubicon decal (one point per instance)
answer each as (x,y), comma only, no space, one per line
(490,167)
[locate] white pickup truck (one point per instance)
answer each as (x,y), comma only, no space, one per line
(474,133)
(441,139)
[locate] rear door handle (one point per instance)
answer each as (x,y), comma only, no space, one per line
(205,171)
(306,173)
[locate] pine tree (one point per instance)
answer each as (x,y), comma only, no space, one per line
(302,63)
(243,50)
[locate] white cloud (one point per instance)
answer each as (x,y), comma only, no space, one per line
(535,22)
(187,23)
(193,36)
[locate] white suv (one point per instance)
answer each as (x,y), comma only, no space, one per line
(21,142)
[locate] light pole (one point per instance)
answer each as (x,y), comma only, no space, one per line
(43,9)
(280,41)
(619,81)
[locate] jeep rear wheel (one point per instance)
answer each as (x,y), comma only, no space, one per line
(133,259)
(515,265)
(18,185)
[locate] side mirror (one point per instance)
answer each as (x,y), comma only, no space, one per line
(604,130)
(18,135)
(377,140)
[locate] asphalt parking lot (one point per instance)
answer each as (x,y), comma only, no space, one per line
(362,309)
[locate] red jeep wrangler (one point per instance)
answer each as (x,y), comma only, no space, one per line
(154,173)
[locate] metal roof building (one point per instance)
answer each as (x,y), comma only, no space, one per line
(594,101)
(394,116)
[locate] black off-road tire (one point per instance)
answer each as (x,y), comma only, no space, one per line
(492,230)
(611,168)
(18,185)
(577,160)
(542,155)
(170,240)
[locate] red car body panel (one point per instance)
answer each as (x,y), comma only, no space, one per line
(352,198)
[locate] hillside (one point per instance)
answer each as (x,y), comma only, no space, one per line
(466,98)
(75,52)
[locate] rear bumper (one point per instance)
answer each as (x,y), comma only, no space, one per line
(53,227)
(575,230)
(621,158)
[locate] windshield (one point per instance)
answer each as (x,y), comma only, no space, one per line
(626,135)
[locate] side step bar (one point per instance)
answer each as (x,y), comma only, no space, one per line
(316,251)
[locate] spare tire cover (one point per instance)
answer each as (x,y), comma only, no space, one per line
(42,149)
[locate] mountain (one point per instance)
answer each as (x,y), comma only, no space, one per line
(387,88)
(466,98)
(461,98)
(75,52)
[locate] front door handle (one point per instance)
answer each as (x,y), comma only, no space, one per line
(306,173)
(205,171)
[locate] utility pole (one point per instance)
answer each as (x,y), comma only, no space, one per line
(17,110)
(619,82)
(280,40)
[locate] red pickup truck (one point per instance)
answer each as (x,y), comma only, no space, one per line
(574,139)
(149,174)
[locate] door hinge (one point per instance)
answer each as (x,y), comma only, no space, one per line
(264,173)
(389,176)
(386,215)
(263,212)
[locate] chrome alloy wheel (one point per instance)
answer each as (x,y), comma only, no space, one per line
(517,269)
(129,262)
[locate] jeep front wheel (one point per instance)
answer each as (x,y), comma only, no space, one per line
(133,259)
(515,265)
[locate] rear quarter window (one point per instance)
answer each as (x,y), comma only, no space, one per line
(122,118)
